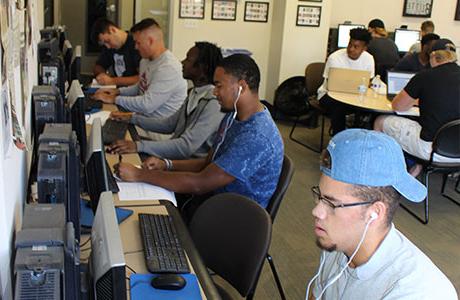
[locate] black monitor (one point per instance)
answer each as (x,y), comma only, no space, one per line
(107,263)
(75,66)
(95,165)
(76,104)
(344,34)
(405,38)
(67,55)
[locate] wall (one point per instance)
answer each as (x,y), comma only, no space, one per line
(390,11)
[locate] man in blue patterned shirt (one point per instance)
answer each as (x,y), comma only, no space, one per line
(247,155)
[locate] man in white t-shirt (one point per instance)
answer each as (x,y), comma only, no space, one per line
(364,256)
(353,57)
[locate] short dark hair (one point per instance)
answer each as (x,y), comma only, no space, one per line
(427,25)
(100,26)
(360,34)
(387,194)
(428,38)
(144,24)
(243,67)
(209,56)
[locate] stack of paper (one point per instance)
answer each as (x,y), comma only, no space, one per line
(143,191)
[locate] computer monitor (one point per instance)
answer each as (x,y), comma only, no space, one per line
(75,66)
(405,38)
(396,81)
(107,263)
(344,34)
(67,54)
(76,103)
(95,165)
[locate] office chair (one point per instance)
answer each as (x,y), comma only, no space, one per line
(313,80)
(445,143)
(287,171)
(232,234)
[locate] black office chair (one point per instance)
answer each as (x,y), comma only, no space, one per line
(287,171)
(313,80)
(232,234)
(446,143)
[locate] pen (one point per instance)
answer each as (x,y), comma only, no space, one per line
(119,158)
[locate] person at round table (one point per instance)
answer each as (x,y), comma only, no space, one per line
(354,57)
(425,28)
(415,62)
(437,93)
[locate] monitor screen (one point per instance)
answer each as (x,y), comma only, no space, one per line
(67,54)
(107,262)
(76,102)
(396,81)
(75,66)
(95,165)
(344,34)
(405,38)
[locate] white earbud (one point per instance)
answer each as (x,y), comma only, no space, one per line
(374,216)
(240,89)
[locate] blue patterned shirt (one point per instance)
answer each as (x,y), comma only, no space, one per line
(252,152)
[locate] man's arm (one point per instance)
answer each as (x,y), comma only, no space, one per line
(126,80)
(98,69)
(403,101)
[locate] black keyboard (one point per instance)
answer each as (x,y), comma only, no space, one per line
(113,130)
(162,249)
(91,104)
(113,186)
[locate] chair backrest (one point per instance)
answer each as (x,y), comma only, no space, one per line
(291,97)
(314,77)
(283,183)
(446,141)
(232,234)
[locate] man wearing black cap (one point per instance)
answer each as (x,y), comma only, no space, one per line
(364,256)
(437,92)
(383,49)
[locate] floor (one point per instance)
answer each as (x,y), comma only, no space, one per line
(293,248)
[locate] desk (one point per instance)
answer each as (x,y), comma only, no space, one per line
(131,236)
(375,103)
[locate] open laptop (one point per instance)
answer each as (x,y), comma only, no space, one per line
(346,80)
(396,81)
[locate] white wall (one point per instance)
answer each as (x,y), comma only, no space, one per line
(390,11)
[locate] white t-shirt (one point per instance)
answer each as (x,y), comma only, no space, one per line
(397,270)
(340,59)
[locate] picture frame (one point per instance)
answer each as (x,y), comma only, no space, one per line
(224,10)
(457,11)
(311,0)
(308,15)
(256,11)
(417,8)
(191,9)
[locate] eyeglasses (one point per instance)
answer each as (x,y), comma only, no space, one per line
(318,197)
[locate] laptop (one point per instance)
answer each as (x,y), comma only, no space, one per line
(396,81)
(346,80)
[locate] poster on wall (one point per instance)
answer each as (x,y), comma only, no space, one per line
(191,9)
(457,11)
(256,11)
(308,15)
(223,10)
(5,117)
(417,8)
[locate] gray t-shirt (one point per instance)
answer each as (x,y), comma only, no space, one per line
(397,270)
(161,90)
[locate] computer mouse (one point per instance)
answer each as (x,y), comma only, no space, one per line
(168,282)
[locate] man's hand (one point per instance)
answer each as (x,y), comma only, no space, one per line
(105,79)
(122,147)
(154,163)
(121,116)
(106,95)
(127,172)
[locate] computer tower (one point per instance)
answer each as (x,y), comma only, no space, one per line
(58,172)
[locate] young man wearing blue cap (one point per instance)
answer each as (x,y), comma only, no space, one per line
(365,256)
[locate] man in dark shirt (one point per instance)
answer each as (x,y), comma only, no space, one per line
(383,49)
(415,62)
(437,91)
(118,55)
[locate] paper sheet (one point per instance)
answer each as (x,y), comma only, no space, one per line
(95,85)
(143,191)
(103,115)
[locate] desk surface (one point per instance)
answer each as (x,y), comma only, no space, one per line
(370,101)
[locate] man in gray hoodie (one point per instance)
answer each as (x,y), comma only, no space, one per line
(193,126)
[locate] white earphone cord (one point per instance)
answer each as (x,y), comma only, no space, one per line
(343,269)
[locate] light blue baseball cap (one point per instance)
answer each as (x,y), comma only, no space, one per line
(371,158)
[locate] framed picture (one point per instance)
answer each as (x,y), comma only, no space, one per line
(457,11)
(417,8)
(191,9)
(312,0)
(308,15)
(223,10)
(256,11)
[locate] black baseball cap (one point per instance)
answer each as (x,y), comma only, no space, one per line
(443,44)
(376,23)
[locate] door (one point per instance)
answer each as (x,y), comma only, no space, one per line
(156,9)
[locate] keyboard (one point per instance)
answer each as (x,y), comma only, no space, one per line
(113,186)
(162,249)
(113,130)
(91,104)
